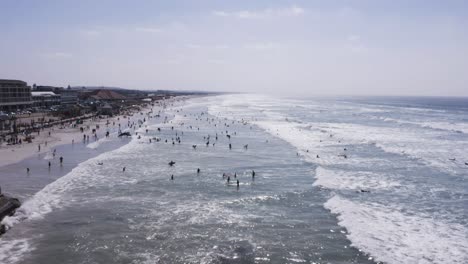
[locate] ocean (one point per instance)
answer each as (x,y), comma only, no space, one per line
(337,180)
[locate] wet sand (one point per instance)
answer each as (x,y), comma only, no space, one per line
(17,182)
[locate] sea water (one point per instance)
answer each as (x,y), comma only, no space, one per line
(347,180)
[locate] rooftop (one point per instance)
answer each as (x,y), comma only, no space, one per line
(107,95)
(43,94)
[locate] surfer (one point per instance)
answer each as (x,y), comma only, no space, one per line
(198,171)
(253,174)
(123,169)
(172,177)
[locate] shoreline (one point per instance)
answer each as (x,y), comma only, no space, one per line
(58,135)
(66,134)
(68,142)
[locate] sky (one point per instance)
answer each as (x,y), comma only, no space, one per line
(289,48)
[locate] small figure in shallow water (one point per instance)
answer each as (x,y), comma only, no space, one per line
(171,163)
(123,169)
(237,183)
(172,177)
(228,179)
(27,170)
(49,164)
(253,174)
(198,171)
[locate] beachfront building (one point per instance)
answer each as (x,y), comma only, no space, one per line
(107,96)
(69,96)
(14,95)
(46,88)
(45,99)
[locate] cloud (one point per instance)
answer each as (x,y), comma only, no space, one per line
(261,46)
(221,47)
(354,38)
(216,61)
(291,11)
(355,45)
(91,33)
(221,13)
(57,55)
(148,29)
(193,46)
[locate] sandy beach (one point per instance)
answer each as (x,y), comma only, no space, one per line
(59,135)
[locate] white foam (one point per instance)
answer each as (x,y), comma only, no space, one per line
(99,142)
(51,196)
(339,179)
(428,147)
(393,237)
(449,126)
(11,251)
(49,156)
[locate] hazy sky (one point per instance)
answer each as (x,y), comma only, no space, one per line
(394,47)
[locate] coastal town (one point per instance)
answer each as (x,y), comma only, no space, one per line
(25,109)
(38,118)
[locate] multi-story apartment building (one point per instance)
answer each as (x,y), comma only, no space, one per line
(14,95)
